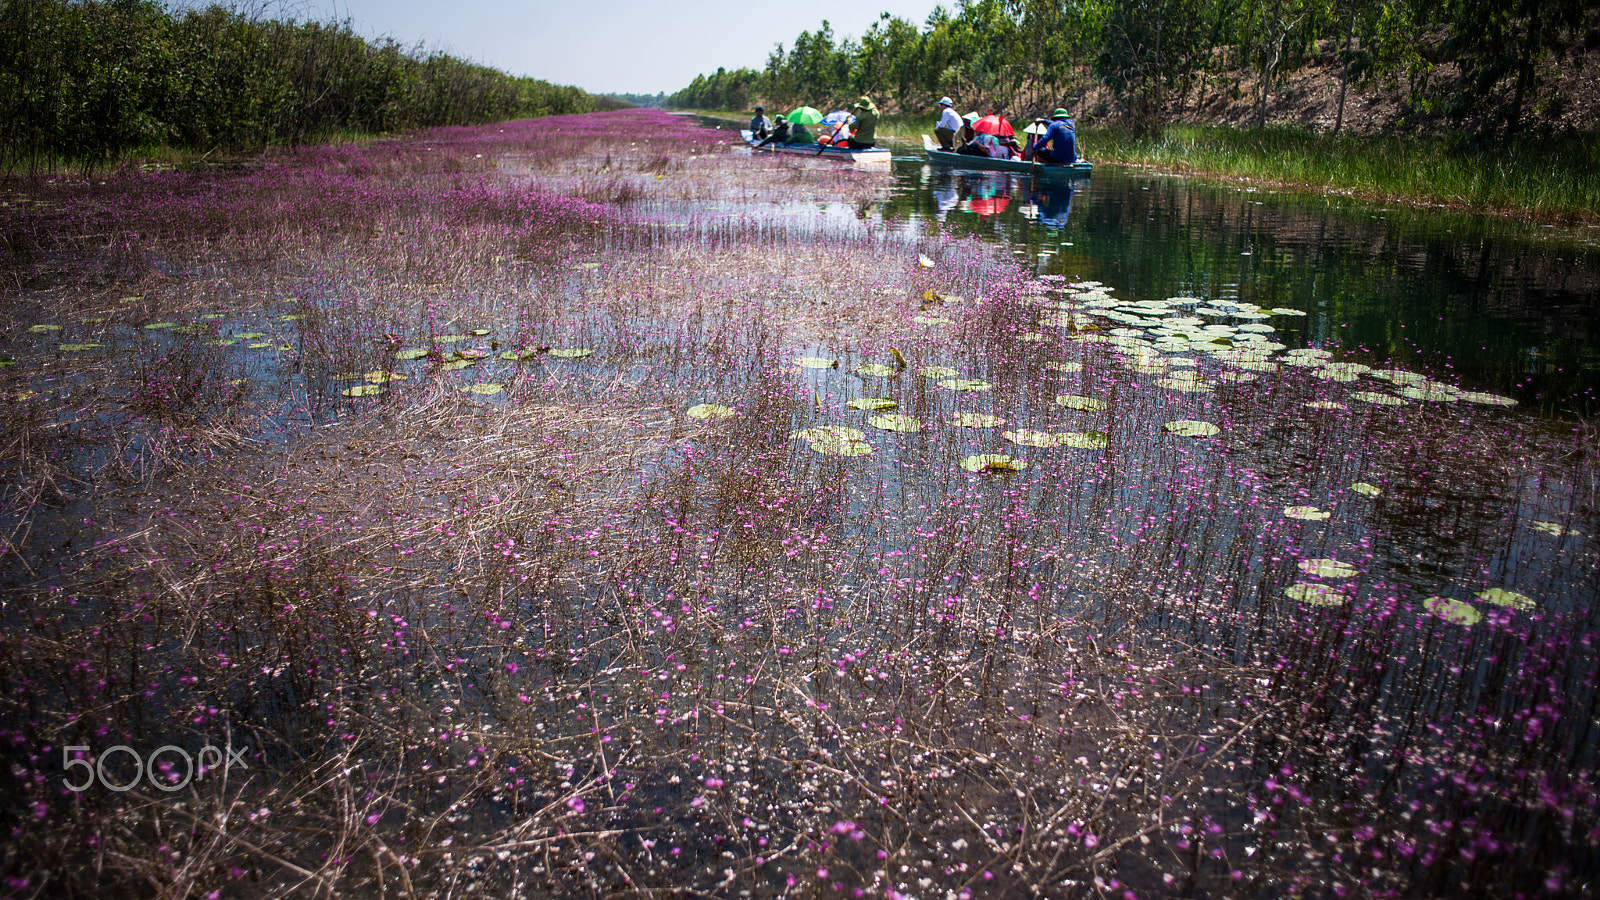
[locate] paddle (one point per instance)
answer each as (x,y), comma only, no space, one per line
(829,142)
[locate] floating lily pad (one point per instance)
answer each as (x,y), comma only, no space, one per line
(74,348)
(1084,440)
(1027,437)
(1365,489)
(362,390)
(380,377)
(221,342)
(523,355)
(977,420)
(932,320)
(43,329)
(1554,529)
(894,422)
(834,446)
(993,462)
(1078,401)
(1487,399)
(291,317)
(1192,428)
(937,372)
(1454,611)
(872,403)
(1237,377)
(1326,568)
(816,362)
(157,326)
(1306,513)
(412,353)
(260,345)
(478,332)
(470,354)
(456,364)
(250,335)
(1509,599)
(1064,366)
(1432,392)
(965,384)
(1324,404)
(448,338)
(484,389)
(1286,311)
(830,433)
(1185,381)
(710,411)
(876,370)
(570,353)
(1315,594)
(1380,399)
(212,317)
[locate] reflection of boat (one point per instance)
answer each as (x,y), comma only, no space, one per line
(876,154)
(963,161)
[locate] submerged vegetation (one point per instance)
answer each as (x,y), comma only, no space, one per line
(482,493)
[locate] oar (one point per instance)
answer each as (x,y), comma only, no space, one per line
(829,142)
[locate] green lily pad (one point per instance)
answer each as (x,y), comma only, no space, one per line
(1192,428)
(1078,401)
(456,364)
(478,332)
(363,390)
(380,377)
(815,362)
(872,403)
(74,348)
(965,384)
(710,411)
(830,433)
(1286,311)
(1554,529)
(1315,594)
(894,422)
(250,335)
(1306,513)
(1380,399)
(412,353)
(485,389)
(937,372)
(260,345)
(43,329)
(1487,399)
(1185,381)
(1365,489)
(1064,366)
(932,320)
(977,420)
(470,354)
(291,317)
(1326,568)
(1432,392)
(221,342)
(876,370)
(1084,440)
(1508,599)
(448,338)
(157,326)
(835,446)
(1030,438)
(993,462)
(212,317)
(570,353)
(1455,612)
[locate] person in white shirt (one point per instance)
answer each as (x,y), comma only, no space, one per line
(949,123)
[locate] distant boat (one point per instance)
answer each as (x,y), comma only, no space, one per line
(963,161)
(876,154)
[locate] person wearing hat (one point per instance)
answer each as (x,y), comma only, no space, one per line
(866,123)
(760,125)
(949,123)
(1059,143)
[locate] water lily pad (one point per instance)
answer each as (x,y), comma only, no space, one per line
(570,353)
(710,411)
(1432,392)
(1237,377)
(1064,366)
(1192,428)
(478,332)
(456,364)
(894,422)
(835,446)
(250,335)
(485,389)
(1078,401)
(221,342)
(876,370)
(816,362)
(412,353)
(872,403)
(448,338)
(157,326)
(1509,599)
(1315,594)
(1454,611)
(74,348)
(1326,568)
(993,462)
(291,317)
(1084,440)
(1487,399)
(1398,376)
(937,372)
(470,354)
(1554,529)
(1185,381)
(43,329)
(932,320)
(1324,404)
(830,433)
(1286,311)
(1306,513)
(260,345)
(965,384)
(1379,399)
(362,390)
(380,377)
(1027,437)
(977,420)
(1365,489)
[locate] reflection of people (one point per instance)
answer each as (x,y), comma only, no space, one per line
(1059,143)
(945,197)
(760,125)
(866,122)
(949,123)
(1054,202)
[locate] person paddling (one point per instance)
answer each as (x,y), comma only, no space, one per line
(866,122)
(779,135)
(949,123)
(1059,143)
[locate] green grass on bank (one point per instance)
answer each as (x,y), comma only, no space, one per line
(1554,179)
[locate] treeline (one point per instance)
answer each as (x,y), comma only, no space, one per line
(1477,64)
(91,81)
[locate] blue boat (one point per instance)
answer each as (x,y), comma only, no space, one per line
(962,161)
(876,154)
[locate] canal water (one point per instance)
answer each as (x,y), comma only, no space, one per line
(1490,304)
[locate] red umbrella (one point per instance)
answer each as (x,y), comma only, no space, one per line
(993,125)
(990,206)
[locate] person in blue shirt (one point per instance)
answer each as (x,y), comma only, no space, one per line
(760,125)
(1059,143)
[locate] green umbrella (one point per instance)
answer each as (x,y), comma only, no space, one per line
(805,115)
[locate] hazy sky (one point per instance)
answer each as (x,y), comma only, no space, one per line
(635,46)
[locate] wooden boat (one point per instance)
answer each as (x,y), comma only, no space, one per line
(962,161)
(876,154)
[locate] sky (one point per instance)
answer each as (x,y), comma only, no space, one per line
(608,46)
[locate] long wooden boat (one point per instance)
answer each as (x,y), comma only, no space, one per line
(876,154)
(962,161)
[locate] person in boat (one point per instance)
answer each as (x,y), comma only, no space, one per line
(780,133)
(1059,143)
(1037,129)
(800,134)
(949,123)
(866,123)
(760,125)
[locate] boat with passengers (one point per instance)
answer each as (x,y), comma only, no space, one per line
(814,149)
(941,157)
